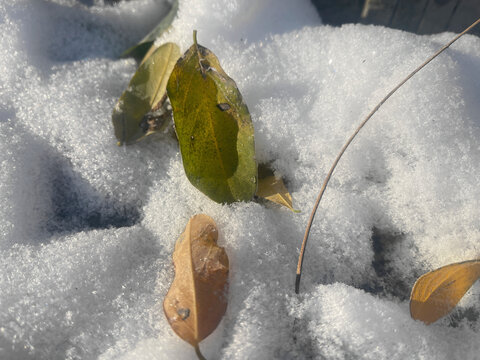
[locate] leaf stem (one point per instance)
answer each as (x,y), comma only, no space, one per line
(195,38)
(200,58)
(198,352)
(350,139)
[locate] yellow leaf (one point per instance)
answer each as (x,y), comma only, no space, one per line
(436,293)
(134,114)
(272,188)
(197,298)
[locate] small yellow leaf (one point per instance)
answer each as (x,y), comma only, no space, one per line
(134,115)
(272,188)
(436,293)
(197,299)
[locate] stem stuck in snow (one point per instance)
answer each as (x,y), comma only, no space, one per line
(348,142)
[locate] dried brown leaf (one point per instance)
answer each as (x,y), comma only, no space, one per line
(197,298)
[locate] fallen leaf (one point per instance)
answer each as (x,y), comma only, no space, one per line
(145,94)
(197,298)
(272,188)
(149,53)
(213,126)
(140,50)
(437,292)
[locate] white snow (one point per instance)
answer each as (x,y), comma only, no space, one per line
(87,229)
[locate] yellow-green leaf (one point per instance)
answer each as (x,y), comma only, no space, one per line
(272,188)
(197,298)
(436,293)
(145,93)
(140,50)
(148,54)
(213,126)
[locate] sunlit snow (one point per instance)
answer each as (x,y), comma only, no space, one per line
(87,228)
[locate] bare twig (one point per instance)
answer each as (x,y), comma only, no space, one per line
(350,139)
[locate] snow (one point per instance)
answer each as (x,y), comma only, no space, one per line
(87,229)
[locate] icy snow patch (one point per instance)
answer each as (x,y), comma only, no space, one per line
(88,228)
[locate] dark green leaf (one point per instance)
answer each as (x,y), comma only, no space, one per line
(214,128)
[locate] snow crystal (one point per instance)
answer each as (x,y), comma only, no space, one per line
(87,228)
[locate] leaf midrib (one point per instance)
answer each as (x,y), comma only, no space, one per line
(192,272)
(170,46)
(210,121)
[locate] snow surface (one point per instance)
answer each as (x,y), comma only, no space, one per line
(88,228)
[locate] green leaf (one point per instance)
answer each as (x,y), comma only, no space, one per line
(213,127)
(272,188)
(146,93)
(138,51)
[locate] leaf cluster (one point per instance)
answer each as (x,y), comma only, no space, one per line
(216,139)
(212,122)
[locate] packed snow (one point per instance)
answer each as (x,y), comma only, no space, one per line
(88,228)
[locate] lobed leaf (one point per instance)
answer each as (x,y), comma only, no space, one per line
(197,298)
(437,292)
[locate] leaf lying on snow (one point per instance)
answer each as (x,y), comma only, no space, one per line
(436,293)
(197,299)
(213,127)
(140,50)
(146,93)
(273,188)
(148,54)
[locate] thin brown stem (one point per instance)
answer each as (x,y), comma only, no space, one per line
(198,353)
(350,139)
